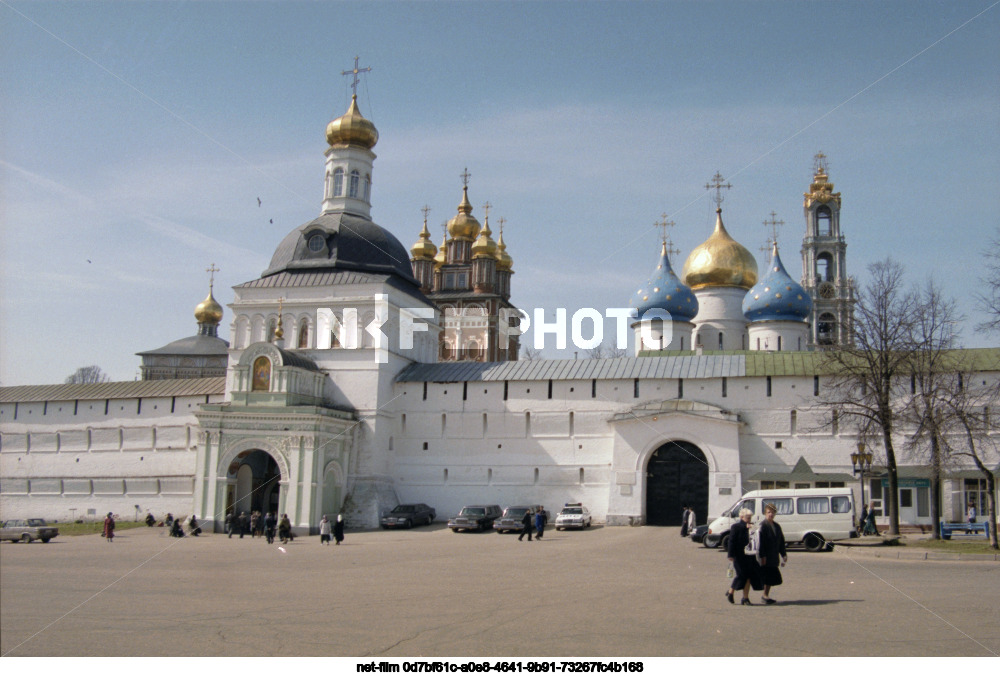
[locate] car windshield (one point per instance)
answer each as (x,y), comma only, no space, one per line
(472,511)
(404,509)
(515,511)
(36,522)
(573,510)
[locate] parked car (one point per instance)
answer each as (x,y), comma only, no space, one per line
(475,517)
(27,530)
(573,515)
(408,516)
(698,534)
(511,519)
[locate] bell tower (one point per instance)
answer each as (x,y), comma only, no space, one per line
(824,263)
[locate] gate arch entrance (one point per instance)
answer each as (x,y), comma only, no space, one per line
(676,475)
(254,483)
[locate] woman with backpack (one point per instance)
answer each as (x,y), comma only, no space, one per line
(747,572)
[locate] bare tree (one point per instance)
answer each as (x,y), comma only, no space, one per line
(529,353)
(934,335)
(88,374)
(606,351)
(989,299)
(967,417)
(865,386)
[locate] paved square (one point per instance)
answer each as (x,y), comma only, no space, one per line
(431,592)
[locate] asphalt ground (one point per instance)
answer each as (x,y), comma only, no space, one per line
(612,592)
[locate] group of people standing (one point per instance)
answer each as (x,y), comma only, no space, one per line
(758,568)
(687,521)
(256,524)
(336,529)
(533,522)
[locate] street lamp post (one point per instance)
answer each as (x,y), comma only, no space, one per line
(861,462)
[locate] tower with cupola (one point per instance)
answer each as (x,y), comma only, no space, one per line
(824,263)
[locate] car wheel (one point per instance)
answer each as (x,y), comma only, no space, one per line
(558,527)
(814,542)
(430,519)
(454,530)
(408,524)
(46,540)
(25,538)
(724,541)
(710,541)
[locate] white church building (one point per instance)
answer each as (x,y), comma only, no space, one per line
(361,375)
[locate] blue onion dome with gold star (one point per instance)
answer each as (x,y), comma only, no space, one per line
(777,296)
(720,261)
(665,291)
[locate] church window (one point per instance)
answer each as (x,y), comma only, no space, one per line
(328,185)
(368,187)
(338,182)
(402,424)
(815,386)
(593,388)
(571,423)
(355,181)
(823,221)
(769,386)
(505,390)
(261,375)
(720,340)
(680,388)
(724,386)
(485,427)
(581,475)
(304,334)
(682,342)
(779,343)
(444,423)
(794,420)
(527,423)
(425,447)
(635,388)
(425,394)
(824,268)
(800,344)
(550,389)
(826,329)
(465,391)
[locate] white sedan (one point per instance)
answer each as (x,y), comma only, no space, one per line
(573,515)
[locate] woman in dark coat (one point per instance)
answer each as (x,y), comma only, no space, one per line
(747,570)
(109,527)
(772,545)
(284,528)
(338,529)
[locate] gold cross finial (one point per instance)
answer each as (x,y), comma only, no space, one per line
(669,247)
(279,332)
(820,163)
(766,250)
(663,224)
(465,176)
(502,221)
(426,209)
(211,270)
(354,72)
(773,223)
(486,210)
(718,186)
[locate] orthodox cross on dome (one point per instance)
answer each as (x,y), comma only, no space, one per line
(820,164)
(670,249)
(354,72)
(663,224)
(279,332)
(486,210)
(766,250)
(717,185)
(211,270)
(465,176)
(773,223)
(502,221)
(426,209)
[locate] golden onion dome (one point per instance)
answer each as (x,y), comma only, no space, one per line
(442,254)
(484,246)
(504,262)
(464,225)
(720,261)
(208,311)
(424,249)
(352,129)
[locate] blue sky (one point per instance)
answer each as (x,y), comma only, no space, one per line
(137,138)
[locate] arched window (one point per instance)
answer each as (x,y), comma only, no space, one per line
(824,268)
(328,185)
(826,329)
(720,340)
(304,334)
(355,181)
(368,187)
(338,182)
(261,375)
(823,221)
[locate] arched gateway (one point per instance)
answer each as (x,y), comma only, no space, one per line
(676,475)
(253,483)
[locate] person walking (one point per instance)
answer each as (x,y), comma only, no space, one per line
(539,523)
(971,515)
(525,525)
(109,527)
(284,528)
(325,529)
(270,522)
(254,520)
(229,524)
(684,521)
(691,521)
(864,518)
(745,566)
(244,524)
(870,528)
(772,546)
(338,529)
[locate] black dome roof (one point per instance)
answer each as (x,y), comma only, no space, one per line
(341,241)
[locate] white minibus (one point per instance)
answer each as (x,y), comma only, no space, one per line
(812,516)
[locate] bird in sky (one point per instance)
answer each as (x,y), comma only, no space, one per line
(258,201)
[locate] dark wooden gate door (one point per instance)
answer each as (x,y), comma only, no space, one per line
(676,475)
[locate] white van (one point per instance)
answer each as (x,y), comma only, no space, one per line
(812,516)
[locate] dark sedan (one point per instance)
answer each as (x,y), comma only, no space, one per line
(408,516)
(698,534)
(475,517)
